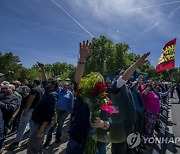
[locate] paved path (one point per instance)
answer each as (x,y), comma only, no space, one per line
(52,149)
(173,127)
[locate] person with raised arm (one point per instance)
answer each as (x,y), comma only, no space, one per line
(80,116)
(122,123)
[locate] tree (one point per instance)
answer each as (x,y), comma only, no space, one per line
(9,62)
(63,70)
(106,57)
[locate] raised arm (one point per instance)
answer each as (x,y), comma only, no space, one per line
(42,71)
(128,73)
(85,51)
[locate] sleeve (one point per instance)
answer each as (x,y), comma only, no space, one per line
(117,84)
(71,102)
(32,92)
(120,82)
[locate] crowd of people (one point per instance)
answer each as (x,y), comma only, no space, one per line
(46,103)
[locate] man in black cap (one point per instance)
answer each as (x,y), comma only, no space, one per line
(123,122)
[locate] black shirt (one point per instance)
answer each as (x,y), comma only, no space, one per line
(24,101)
(80,119)
(37,91)
(45,109)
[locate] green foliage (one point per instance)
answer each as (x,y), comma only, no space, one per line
(33,73)
(106,58)
(10,62)
(63,70)
(87,83)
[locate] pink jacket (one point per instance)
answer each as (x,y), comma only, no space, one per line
(151,101)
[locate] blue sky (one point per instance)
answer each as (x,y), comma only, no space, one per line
(49,31)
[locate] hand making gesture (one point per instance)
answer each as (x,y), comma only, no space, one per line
(142,59)
(85,50)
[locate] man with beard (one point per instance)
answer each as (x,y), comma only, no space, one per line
(42,117)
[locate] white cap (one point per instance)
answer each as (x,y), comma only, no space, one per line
(4,83)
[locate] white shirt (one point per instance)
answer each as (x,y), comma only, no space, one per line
(120,82)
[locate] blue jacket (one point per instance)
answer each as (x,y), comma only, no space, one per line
(137,98)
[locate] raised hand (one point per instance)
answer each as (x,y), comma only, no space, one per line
(142,59)
(40,65)
(128,73)
(42,71)
(85,50)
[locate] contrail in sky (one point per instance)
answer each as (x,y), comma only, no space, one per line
(26,21)
(157,24)
(72,18)
(173,12)
(150,6)
(40,25)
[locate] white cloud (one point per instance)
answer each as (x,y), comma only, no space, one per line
(124,15)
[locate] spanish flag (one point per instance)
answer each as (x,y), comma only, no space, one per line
(166,61)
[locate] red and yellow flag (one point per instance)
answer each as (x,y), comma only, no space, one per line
(166,61)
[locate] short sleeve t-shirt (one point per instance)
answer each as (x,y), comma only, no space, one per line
(37,91)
